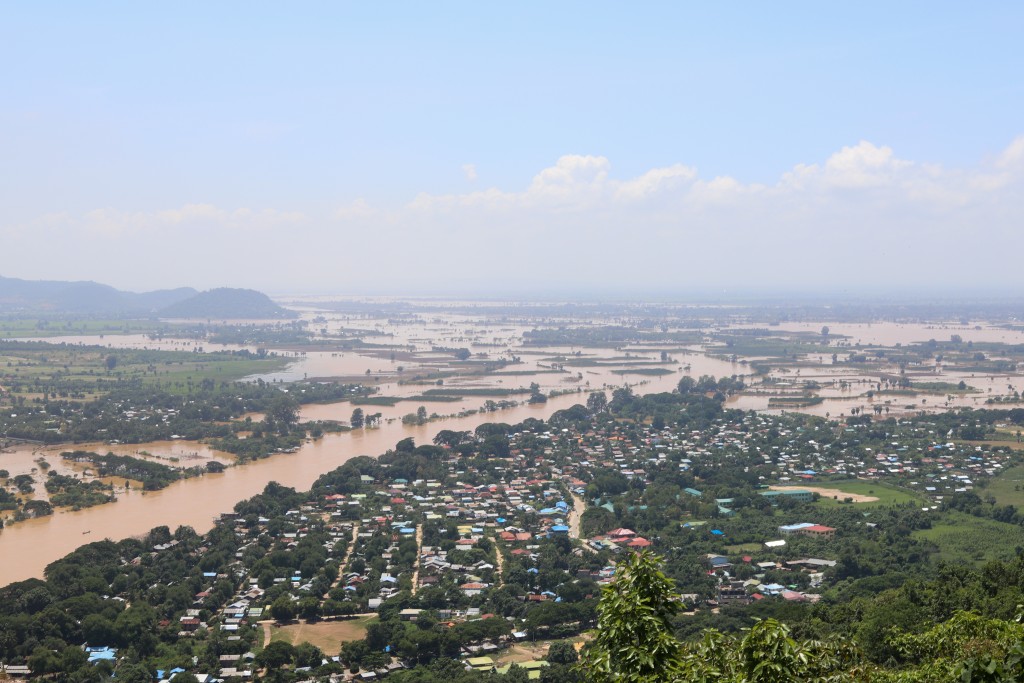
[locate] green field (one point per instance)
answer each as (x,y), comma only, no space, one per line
(1008,487)
(961,538)
(886,493)
(743,548)
(41,327)
(83,372)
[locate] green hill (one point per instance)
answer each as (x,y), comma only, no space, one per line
(227,303)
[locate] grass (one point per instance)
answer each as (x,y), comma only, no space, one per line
(35,327)
(1008,487)
(963,539)
(743,548)
(528,651)
(326,635)
(887,494)
(794,401)
(943,388)
(475,392)
(82,370)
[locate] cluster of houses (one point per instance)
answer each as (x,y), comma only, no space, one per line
(394,534)
(732,589)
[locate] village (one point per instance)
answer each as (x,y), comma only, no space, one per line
(492,547)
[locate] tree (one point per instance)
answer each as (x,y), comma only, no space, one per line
(283,609)
(111,362)
(635,641)
(421,414)
(308,655)
(309,608)
(357,420)
(284,409)
(450,438)
(42,661)
(597,402)
(134,673)
(562,652)
(275,655)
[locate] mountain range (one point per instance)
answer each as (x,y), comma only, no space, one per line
(53,297)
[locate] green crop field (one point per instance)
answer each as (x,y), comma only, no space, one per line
(961,538)
(1008,487)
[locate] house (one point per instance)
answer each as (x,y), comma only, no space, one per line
(798,495)
(16,671)
(818,531)
(101,654)
(472,588)
(484,664)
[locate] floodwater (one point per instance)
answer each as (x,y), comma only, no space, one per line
(27,547)
(891,334)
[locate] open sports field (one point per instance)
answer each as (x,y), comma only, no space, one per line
(866,492)
(326,635)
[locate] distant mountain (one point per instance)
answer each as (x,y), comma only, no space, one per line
(226,303)
(42,297)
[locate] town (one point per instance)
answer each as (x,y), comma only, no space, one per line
(490,548)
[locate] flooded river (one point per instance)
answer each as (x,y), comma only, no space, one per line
(27,547)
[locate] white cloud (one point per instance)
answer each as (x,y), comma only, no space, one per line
(469,170)
(1012,155)
(861,215)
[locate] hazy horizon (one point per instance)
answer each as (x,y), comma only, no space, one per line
(466,150)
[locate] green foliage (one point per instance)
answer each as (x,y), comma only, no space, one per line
(634,640)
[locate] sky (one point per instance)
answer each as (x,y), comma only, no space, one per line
(468,149)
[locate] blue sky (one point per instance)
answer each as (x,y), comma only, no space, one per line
(427,133)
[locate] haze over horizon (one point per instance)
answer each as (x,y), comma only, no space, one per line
(499,150)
